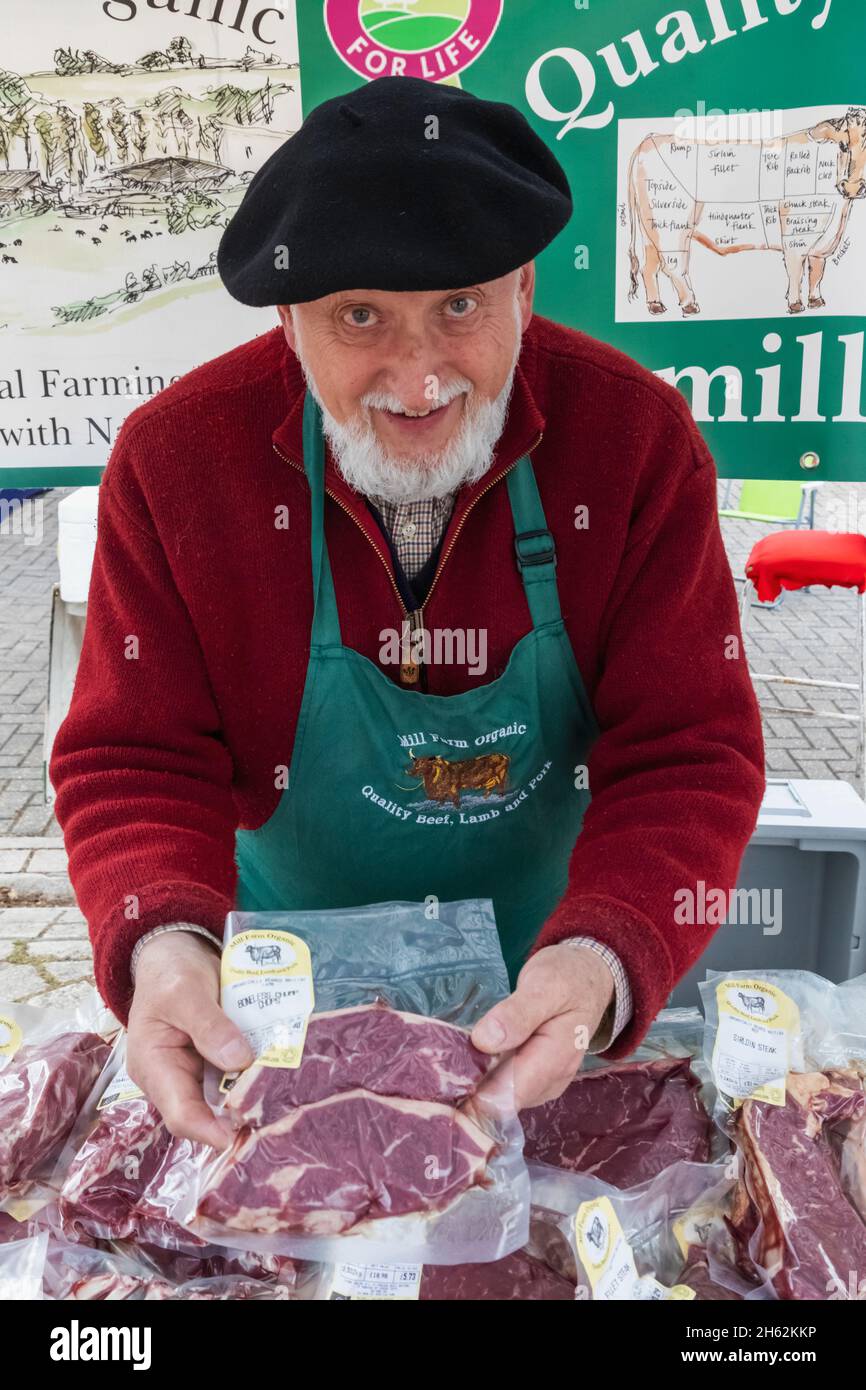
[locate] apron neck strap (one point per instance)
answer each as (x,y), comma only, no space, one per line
(533,545)
(326,619)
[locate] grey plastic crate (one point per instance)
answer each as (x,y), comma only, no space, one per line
(810,843)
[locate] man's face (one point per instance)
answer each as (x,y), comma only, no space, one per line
(414,373)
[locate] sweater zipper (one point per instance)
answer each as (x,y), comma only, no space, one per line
(475,499)
(411,671)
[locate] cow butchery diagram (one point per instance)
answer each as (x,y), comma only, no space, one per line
(749,215)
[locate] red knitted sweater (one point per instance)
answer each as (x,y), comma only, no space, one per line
(163,756)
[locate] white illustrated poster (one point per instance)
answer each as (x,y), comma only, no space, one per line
(129,131)
(739,216)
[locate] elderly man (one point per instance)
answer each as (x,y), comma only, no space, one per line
(381,598)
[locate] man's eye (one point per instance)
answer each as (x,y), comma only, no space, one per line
(462,306)
(360,317)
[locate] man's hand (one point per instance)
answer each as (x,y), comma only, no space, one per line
(560,999)
(174,1022)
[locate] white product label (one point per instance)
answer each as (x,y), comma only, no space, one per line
(757,1027)
(376,1283)
(267,990)
(120,1087)
(604,1251)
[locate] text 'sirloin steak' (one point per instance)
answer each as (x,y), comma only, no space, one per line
(518,1278)
(41,1092)
(811,1242)
(111,1169)
(623,1124)
(372,1048)
(355,1157)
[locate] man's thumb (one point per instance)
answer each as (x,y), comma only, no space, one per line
(215,1037)
(511,1022)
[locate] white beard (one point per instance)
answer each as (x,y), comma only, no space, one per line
(370,469)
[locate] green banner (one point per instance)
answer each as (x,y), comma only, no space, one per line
(717,156)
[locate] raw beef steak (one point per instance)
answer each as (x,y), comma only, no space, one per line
(155,1223)
(518,1278)
(111,1170)
(41,1092)
(811,1240)
(623,1124)
(325,1168)
(373,1048)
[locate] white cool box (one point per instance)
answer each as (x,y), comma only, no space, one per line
(801,899)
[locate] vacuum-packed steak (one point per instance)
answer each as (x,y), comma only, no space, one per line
(41,1092)
(326,1167)
(811,1240)
(624,1123)
(372,1048)
(518,1278)
(111,1169)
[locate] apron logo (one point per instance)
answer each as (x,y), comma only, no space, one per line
(431,39)
(444,780)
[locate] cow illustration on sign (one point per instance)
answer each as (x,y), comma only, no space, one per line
(793,194)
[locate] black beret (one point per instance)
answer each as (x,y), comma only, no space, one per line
(363,197)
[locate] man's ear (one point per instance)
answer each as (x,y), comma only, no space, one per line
(284,312)
(526,292)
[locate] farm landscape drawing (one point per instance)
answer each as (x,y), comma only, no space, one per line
(117,176)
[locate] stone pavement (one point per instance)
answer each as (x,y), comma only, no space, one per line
(44,955)
(43,939)
(809,634)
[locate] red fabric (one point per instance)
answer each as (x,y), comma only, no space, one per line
(175,739)
(800,559)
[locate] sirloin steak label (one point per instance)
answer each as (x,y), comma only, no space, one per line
(752,1053)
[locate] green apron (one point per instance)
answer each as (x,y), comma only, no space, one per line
(396,795)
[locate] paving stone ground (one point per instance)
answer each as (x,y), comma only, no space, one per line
(43,938)
(44,955)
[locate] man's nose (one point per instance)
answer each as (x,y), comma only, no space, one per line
(415,380)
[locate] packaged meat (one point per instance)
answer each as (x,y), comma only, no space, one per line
(218,1262)
(544,1272)
(114,1150)
(81,1273)
(848,1141)
(623,1123)
(617,1245)
(49,1061)
(759,1028)
(21,1266)
(330,1166)
(788,1052)
(808,1237)
(519,1277)
(371,1048)
(369,1121)
(697,1276)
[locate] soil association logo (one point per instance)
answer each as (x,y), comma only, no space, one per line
(411,38)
